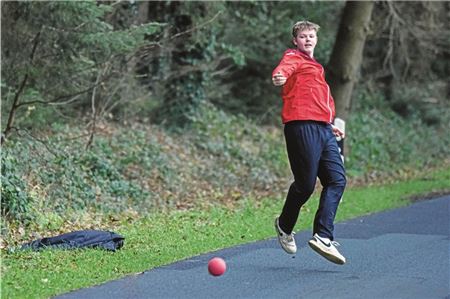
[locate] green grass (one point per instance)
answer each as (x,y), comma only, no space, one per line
(167,237)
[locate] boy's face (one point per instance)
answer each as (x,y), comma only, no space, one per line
(306,41)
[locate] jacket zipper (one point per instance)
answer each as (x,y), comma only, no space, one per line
(328,103)
(328,98)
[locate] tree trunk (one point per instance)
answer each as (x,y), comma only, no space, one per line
(143,15)
(346,58)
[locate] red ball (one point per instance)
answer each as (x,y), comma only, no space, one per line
(216,266)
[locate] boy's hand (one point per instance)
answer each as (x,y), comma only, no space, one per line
(278,79)
(337,132)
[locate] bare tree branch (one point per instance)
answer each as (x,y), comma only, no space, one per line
(35,138)
(16,104)
(94,112)
(196,27)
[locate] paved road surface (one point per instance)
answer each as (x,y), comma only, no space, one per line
(402,253)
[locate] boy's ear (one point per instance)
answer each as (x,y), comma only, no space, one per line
(294,41)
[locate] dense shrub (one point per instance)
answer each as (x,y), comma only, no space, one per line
(238,142)
(381,140)
(15,197)
(216,157)
(219,157)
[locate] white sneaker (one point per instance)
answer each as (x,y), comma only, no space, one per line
(327,249)
(287,242)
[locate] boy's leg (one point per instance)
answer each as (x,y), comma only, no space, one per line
(304,147)
(332,176)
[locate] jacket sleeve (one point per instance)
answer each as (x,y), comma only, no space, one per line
(288,64)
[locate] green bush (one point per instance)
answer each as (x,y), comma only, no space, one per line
(380,140)
(215,157)
(15,199)
(252,155)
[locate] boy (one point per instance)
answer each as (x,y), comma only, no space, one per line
(308,112)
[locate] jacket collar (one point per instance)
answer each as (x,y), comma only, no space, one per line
(303,54)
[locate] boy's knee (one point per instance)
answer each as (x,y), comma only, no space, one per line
(338,181)
(342,181)
(303,190)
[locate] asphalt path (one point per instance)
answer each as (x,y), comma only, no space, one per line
(401,253)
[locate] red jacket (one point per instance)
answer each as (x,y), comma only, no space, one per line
(306,95)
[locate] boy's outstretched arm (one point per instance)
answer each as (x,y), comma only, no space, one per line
(287,66)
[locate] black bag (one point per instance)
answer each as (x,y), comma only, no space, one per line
(79,239)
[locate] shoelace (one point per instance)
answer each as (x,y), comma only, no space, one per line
(336,244)
(290,237)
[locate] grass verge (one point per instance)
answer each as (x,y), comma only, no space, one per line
(167,237)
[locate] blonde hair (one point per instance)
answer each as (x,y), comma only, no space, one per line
(304,25)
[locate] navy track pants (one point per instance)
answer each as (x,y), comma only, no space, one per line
(313,152)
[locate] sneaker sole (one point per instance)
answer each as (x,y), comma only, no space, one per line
(328,256)
(281,244)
